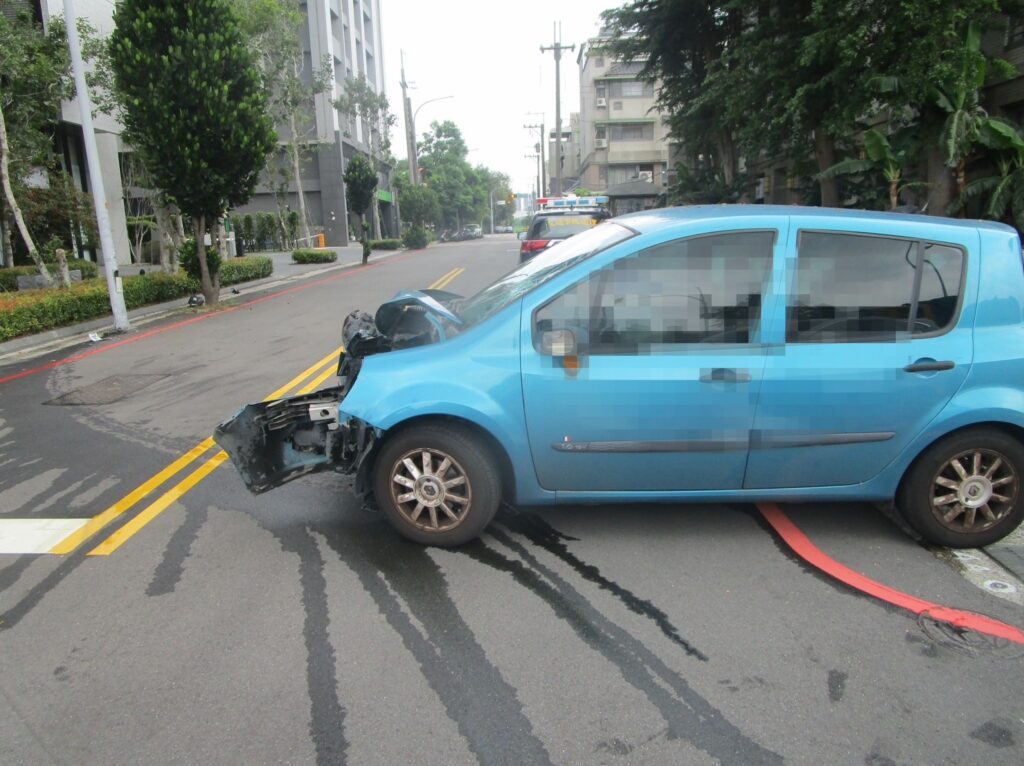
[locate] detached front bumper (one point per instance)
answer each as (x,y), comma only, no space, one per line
(272,443)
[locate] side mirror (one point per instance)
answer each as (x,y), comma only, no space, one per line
(521,235)
(558,343)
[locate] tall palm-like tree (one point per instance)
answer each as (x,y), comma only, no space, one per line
(880,156)
(1004,191)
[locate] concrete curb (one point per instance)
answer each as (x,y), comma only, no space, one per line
(48,341)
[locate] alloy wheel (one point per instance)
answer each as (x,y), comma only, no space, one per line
(974,490)
(430,489)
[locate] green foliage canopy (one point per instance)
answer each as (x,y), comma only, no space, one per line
(194,106)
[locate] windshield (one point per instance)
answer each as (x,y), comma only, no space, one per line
(541,268)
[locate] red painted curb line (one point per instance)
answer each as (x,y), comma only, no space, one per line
(809,552)
(193,320)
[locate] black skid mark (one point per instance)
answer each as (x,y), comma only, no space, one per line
(688,715)
(11,573)
(171,567)
(484,707)
(543,535)
(327,715)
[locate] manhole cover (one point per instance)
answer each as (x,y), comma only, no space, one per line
(967,641)
(108,390)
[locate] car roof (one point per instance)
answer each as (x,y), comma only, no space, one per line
(660,218)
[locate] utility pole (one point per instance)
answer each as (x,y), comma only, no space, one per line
(543,177)
(540,190)
(557,47)
(99,195)
(410,135)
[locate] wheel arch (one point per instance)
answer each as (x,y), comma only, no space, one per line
(1010,429)
(494,447)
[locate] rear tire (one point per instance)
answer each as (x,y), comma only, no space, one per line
(437,484)
(965,491)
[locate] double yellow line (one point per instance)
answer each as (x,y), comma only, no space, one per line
(154,509)
(446,280)
(316,374)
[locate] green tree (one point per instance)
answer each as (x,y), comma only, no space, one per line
(194,107)
(361,102)
(881,157)
(1002,194)
(34,78)
(442,159)
(419,205)
(360,187)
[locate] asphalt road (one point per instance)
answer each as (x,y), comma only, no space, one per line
(201,624)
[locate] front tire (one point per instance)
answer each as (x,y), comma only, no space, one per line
(437,484)
(966,490)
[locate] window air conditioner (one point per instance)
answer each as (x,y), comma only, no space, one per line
(601,143)
(602,103)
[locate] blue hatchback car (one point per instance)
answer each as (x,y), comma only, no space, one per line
(725,353)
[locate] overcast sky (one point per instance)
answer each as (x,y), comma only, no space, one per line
(487,56)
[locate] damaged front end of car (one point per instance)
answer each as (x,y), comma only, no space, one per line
(272,443)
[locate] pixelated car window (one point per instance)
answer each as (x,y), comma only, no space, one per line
(854,287)
(699,290)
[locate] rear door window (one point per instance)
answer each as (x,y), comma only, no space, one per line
(853,287)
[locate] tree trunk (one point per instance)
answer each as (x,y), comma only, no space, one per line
(222,238)
(6,224)
(940,180)
(825,155)
(961,185)
(163,234)
(5,177)
(210,291)
(297,179)
(63,273)
(727,156)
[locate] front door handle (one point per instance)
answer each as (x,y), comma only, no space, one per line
(929,365)
(724,374)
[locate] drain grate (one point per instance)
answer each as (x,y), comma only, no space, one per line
(107,391)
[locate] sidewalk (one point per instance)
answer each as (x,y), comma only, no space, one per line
(285,272)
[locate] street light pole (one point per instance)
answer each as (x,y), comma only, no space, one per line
(99,195)
(411,131)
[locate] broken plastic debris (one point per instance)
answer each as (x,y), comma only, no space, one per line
(95,337)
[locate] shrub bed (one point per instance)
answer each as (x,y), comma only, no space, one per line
(385,244)
(38,310)
(415,238)
(9,277)
(309,255)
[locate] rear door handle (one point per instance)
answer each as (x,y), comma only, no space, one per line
(929,365)
(724,374)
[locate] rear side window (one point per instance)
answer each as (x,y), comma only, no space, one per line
(851,287)
(564,226)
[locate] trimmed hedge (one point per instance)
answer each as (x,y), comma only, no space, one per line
(235,270)
(385,244)
(9,277)
(310,255)
(34,311)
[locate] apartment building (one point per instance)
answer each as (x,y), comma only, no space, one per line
(622,144)
(347,35)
